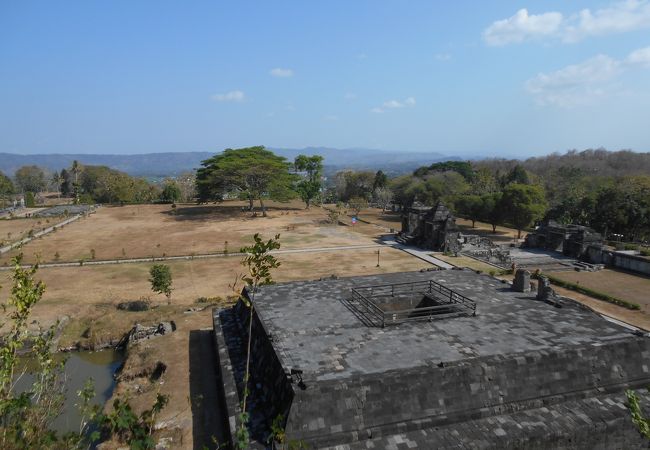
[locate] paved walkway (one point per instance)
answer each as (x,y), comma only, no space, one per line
(418,253)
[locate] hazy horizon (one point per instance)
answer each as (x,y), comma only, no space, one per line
(465,80)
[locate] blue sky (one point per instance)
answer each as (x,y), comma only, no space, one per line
(466,79)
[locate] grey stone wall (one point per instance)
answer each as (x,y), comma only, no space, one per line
(633,263)
(360,407)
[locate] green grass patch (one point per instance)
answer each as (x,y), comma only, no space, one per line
(592,293)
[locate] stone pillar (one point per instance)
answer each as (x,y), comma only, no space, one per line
(522,281)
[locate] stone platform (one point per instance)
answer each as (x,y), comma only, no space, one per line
(521,373)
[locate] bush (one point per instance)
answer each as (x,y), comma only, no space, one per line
(137,305)
(209,300)
(591,293)
(631,247)
(645,252)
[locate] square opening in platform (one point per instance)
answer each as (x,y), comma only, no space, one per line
(403,302)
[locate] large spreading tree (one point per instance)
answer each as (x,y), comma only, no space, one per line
(253,173)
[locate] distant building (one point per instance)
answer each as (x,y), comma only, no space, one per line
(429,227)
(571,240)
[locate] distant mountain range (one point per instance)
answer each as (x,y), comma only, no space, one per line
(169,164)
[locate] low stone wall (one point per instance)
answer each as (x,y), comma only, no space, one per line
(363,407)
(633,263)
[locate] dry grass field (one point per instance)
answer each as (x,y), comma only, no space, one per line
(12,230)
(158,230)
(89,294)
(634,288)
(466,261)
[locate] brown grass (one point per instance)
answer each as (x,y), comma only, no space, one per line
(12,230)
(89,294)
(633,288)
(157,230)
(466,261)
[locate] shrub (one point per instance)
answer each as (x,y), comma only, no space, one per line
(136,305)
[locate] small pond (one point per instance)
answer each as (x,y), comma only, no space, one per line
(100,366)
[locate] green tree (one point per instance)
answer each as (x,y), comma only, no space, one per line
(30,201)
(253,173)
(491,211)
(624,208)
(403,188)
(171,192)
(6,189)
(30,178)
(310,187)
(523,204)
(471,206)
(350,183)
(463,168)
(259,261)
(517,175)
(57,180)
(161,280)
(356,204)
(381,180)
(76,169)
(106,185)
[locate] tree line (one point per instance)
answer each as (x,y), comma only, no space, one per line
(608,191)
(94,184)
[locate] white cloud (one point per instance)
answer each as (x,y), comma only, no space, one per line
(640,56)
(620,17)
(281,73)
(576,84)
(394,104)
(442,56)
(330,118)
(350,96)
(522,27)
(232,96)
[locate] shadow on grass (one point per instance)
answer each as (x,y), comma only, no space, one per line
(222,212)
(208,421)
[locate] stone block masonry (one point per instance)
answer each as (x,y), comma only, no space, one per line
(520,373)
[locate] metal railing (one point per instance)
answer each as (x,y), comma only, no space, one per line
(449,303)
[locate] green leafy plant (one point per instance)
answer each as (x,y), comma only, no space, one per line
(161,280)
(129,427)
(26,417)
(641,422)
(259,262)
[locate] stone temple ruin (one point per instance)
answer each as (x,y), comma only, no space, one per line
(447,359)
(433,228)
(570,240)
